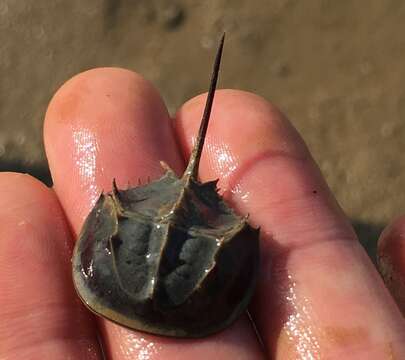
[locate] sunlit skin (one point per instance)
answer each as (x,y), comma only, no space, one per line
(318,297)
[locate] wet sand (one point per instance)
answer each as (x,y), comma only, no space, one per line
(336,68)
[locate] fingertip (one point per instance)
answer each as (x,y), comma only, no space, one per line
(35,282)
(102,124)
(24,189)
(95,90)
(393,237)
(246,122)
(391,259)
(27,206)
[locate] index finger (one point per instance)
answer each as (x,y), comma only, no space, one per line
(319,296)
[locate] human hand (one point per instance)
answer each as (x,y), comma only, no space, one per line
(318,295)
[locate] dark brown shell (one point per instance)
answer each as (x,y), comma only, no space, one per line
(170,257)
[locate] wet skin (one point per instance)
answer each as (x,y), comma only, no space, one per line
(318,295)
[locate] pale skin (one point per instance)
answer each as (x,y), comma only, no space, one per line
(318,298)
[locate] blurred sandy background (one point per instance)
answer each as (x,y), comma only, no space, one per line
(336,68)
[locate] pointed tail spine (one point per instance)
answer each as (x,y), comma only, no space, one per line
(194,162)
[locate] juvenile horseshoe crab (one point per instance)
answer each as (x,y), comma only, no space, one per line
(168,258)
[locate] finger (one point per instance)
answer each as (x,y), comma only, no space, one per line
(105,124)
(116,126)
(40,316)
(319,295)
(391,260)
